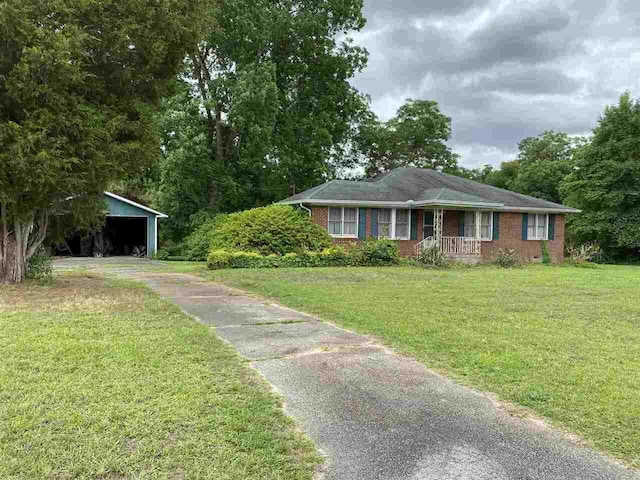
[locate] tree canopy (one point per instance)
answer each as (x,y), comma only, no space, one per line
(606,182)
(540,168)
(414,137)
(77,83)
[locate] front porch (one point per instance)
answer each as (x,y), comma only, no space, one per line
(457,233)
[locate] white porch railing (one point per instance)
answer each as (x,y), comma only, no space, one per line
(452,245)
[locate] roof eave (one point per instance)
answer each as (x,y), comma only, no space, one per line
(434,203)
(135,204)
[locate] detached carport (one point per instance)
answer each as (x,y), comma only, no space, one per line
(130,229)
(130,223)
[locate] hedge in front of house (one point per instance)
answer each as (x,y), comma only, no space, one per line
(370,253)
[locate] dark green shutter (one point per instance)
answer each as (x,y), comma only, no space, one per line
(496,226)
(552,227)
(414,224)
(525,225)
(461,224)
(374,222)
(362,223)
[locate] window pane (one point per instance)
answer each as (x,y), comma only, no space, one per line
(470,219)
(350,214)
(335,214)
(428,231)
(350,228)
(402,230)
(531,231)
(469,230)
(384,215)
(484,232)
(402,216)
(335,228)
(384,230)
(486,218)
(428,218)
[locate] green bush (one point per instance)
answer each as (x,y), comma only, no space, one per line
(161,254)
(584,255)
(218,259)
(197,245)
(376,253)
(546,257)
(506,258)
(432,257)
(40,266)
(277,229)
(336,256)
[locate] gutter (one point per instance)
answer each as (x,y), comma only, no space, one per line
(305,208)
(500,207)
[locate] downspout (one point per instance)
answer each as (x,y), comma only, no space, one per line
(305,208)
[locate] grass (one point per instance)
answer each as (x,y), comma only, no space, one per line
(100,379)
(564,342)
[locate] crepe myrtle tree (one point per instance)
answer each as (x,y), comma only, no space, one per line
(78,82)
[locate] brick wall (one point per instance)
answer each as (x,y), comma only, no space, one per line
(529,250)
(510,235)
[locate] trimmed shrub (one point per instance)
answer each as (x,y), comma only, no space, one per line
(432,257)
(336,256)
(506,258)
(375,253)
(219,259)
(198,244)
(277,229)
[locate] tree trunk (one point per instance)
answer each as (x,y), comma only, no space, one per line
(17,245)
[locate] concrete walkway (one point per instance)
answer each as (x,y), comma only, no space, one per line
(373,413)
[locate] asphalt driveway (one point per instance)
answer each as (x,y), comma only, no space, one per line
(373,413)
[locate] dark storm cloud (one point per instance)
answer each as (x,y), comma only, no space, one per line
(385,9)
(529,81)
(502,69)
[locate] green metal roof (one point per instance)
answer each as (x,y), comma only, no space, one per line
(420,186)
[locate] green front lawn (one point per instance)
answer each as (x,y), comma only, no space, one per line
(103,380)
(562,341)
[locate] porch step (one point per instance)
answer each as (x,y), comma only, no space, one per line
(469,259)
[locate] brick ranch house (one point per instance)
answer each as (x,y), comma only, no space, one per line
(423,207)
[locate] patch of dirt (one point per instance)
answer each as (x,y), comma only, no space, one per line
(169,441)
(59,476)
(177,475)
(132,446)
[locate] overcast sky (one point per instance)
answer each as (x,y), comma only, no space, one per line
(502,70)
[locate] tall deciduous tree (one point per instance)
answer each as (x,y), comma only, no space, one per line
(544,162)
(606,182)
(272,78)
(415,137)
(77,82)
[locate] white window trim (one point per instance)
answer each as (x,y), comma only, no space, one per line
(478,226)
(342,222)
(535,230)
(392,227)
(490,238)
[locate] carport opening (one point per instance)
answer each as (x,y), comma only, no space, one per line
(121,236)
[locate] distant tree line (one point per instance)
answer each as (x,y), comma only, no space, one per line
(599,175)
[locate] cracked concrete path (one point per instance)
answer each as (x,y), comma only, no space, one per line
(373,413)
